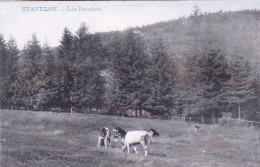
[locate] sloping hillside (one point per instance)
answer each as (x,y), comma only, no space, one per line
(236,34)
(231,30)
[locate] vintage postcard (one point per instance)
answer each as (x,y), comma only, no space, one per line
(130,83)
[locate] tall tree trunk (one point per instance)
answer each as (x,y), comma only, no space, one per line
(140,111)
(135,112)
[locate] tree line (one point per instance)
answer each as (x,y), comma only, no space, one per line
(129,73)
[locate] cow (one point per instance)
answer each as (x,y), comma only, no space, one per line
(104,136)
(197,127)
(133,138)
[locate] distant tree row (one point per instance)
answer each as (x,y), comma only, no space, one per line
(200,77)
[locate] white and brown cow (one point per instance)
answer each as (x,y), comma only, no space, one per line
(196,128)
(133,138)
(104,136)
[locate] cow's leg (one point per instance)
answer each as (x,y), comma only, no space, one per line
(109,141)
(105,142)
(135,149)
(144,144)
(128,145)
(99,141)
(123,147)
(145,148)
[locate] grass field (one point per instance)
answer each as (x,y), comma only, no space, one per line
(63,139)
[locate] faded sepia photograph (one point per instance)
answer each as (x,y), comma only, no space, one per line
(130,83)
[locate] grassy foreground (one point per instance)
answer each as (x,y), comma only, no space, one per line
(63,139)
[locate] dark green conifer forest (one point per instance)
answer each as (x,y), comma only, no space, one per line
(205,65)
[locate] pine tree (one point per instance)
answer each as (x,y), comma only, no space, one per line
(116,97)
(161,80)
(47,90)
(212,68)
(82,43)
(32,55)
(242,89)
(67,47)
(12,70)
(29,81)
(93,91)
(129,67)
(64,75)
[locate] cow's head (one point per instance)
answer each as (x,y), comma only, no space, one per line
(154,132)
(104,131)
(119,134)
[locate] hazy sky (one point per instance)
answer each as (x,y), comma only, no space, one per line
(19,21)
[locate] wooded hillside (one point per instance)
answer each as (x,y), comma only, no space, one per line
(202,65)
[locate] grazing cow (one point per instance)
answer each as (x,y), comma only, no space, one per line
(197,127)
(119,133)
(104,136)
(138,137)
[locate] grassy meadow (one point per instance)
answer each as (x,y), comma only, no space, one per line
(62,139)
